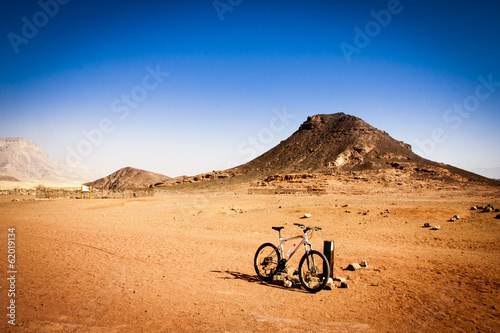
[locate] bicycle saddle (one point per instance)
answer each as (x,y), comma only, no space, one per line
(278,228)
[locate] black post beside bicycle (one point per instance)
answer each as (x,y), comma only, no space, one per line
(314,269)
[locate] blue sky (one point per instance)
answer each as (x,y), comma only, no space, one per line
(184,87)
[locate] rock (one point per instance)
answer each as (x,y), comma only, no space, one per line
(488,209)
(279,279)
(288,284)
(330,285)
(436,227)
(498,217)
(295,279)
(353,267)
(427,225)
(339,279)
(344,285)
(456,217)
(473,208)
(364,263)
(306,216)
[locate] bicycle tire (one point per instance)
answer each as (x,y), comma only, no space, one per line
(266,261)
(314,271)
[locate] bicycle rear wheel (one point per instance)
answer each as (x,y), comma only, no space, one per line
(266,261)
(314,271)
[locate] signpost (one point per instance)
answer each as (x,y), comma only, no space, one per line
(86,189)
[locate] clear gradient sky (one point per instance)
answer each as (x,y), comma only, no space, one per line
(185,87)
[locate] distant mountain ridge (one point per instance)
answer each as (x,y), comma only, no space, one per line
(128,177)
(24,160)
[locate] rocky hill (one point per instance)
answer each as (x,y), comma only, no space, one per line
(24,160)
(332,142)
(127,178)
(339,144)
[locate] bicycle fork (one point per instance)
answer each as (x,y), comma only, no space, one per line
(309,259)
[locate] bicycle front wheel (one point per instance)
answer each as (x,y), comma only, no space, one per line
(314,271)
(266,261)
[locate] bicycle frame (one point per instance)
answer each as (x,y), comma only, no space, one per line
(304,240)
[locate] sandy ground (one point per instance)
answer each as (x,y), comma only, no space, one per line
(183,263)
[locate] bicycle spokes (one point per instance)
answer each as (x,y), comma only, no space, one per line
(266,261)
(313,271)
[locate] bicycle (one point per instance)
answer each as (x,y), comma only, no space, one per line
(314,269)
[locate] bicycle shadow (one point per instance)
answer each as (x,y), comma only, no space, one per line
(255,279)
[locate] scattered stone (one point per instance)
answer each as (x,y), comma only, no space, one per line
(353,267)
(345,206)
(307,215)
(294,279)
(237,210)
(436,227)
(344,285)
(364,263)
(339,279)
(488,209)
(375,284)
(498,217)
(279,279)
(473,208)
(347,211)
(288,283)
(330,285)
(454,218)
(427,225)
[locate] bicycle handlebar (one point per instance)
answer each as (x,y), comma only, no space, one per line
(307,228)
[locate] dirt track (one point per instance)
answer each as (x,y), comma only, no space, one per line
(183,262)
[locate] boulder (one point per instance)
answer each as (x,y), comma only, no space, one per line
(353,267)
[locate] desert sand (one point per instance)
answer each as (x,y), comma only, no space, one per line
(183,262)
